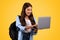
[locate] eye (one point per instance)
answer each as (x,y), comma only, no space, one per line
(28,9)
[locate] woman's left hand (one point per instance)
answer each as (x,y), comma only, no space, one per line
(34,25)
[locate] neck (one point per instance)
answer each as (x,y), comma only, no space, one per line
(26,17)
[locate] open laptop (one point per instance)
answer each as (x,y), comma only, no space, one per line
(44,22)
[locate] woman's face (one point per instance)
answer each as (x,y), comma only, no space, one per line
(28,11)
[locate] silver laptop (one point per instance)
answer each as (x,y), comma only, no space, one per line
(44,22)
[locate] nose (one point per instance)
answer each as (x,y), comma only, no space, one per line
(29,11)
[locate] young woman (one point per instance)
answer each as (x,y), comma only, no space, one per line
(26,23)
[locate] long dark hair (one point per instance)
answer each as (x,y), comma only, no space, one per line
(23,14)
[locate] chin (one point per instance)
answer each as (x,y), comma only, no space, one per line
(28,15)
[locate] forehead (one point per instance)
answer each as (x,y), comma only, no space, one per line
(29,7)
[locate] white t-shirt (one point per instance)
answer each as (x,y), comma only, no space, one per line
(28,23)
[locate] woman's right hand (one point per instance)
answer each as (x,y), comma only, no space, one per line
(28,27)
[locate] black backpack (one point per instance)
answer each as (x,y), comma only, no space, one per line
(13,31)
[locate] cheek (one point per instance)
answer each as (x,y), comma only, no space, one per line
(28,12)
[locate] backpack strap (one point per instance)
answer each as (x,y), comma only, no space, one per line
(19,16)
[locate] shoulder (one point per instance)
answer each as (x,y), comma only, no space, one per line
(17,20)
(18,17)
(34,18)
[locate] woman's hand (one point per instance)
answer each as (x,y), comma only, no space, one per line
(28,27)
(31,26)
(34,25)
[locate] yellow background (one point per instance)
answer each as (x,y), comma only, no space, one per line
(9,9)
